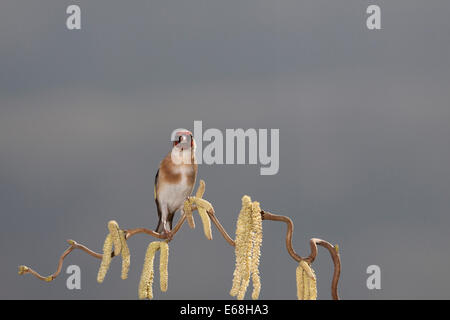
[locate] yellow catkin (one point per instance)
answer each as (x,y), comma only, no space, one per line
(188,205)
(206,222)
(125,255)
(201,189)
(306,282)
(240,225)
(106,259)
(247,249)
(312,282)
(115,234)
(188,212)
(313,287)
(307,291)
(163,262)
(146,283)
(256,233)
(203,207)
(203,203)
(245,253)
(241,273)
(300,284)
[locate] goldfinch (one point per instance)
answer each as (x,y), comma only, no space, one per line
(175,180)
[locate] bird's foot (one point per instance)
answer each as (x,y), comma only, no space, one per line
(167,234)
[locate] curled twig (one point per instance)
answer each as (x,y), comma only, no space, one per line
(333,250)
(119,238)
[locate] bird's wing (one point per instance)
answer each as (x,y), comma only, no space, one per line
(156,184)
(158,227)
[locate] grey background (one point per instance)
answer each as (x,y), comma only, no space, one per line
(85,118)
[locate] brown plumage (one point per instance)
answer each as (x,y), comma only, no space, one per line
(175,180)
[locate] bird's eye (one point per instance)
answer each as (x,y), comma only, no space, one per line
(179,138)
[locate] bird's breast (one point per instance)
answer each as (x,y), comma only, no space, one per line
(174,194)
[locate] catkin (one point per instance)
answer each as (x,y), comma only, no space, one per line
(115,234)
(163,262)
(125,255)
(306,282)
(201,189)
(256,250)
(206,222)
(247,249)
(300,283)
(203,203)
(106,259)
(203,207)
(188,212)
(240,246)
(146,283)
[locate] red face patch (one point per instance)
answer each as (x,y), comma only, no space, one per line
(183,136)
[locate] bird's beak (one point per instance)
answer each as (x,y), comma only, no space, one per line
(185,142)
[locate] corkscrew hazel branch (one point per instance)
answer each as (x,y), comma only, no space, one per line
(124,235)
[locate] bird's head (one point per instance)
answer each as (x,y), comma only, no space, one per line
(183,140)
(183,150)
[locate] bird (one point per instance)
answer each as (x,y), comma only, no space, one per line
(175,180)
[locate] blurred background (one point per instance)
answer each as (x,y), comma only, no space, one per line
(364,119)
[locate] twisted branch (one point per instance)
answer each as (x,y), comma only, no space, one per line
(333,250)
(74,245)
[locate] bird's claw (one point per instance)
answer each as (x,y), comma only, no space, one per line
(167,234)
